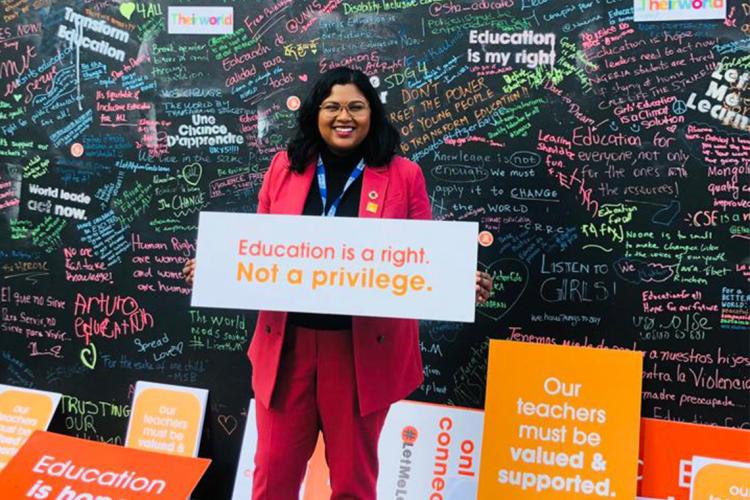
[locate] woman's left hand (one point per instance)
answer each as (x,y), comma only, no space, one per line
(484,287)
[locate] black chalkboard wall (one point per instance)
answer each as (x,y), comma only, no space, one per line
(615,185)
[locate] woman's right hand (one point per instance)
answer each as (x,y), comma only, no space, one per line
(188,272)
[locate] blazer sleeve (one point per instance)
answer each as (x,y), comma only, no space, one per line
(419,202)
(264,195)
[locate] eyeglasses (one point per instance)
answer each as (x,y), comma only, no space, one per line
(355,109)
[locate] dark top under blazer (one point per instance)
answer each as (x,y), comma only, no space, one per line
(338,169)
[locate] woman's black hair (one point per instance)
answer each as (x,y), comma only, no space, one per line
(382,139)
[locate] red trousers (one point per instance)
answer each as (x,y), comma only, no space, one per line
(316,390)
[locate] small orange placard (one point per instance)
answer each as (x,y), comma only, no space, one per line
(55,466)
(21,413)
(668,448)
(560,422)
(165,420)
(720,480)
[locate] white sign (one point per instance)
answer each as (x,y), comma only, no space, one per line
(425,451)
(243,479)
(678,10)
(184,20)
(337,265)
(430,451)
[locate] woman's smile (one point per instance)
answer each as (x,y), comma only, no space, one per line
(344,118)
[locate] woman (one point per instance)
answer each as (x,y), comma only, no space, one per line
(337,374)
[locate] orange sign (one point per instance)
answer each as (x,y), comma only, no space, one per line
(667,450)
(166,418)
(316,484)
(56,466)
(22,411)
(560,422)
(720,480)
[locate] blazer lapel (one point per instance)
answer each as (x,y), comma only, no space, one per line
(374,186)
(299,187)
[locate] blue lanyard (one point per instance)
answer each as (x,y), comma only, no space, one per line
(321,172)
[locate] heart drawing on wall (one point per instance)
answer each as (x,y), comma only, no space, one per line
(228,423)
(192,173)
(127,9)
(88,356)
(511,277)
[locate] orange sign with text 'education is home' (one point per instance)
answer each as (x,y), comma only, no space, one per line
(51,466)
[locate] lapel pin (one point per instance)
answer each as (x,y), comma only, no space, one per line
(372,207)
(373,195)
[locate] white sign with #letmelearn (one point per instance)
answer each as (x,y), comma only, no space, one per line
(337,265)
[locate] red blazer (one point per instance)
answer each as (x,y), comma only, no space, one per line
(387,357)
